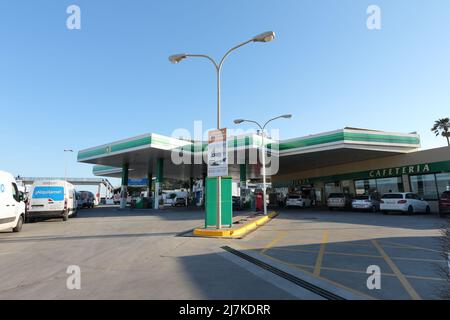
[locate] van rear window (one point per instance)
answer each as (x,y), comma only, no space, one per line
(55,193)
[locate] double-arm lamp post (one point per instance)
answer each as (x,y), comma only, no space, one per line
(263,156)
(263,37)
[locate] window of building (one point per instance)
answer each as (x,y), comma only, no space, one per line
(425,186)
(386,185)
(368,186)
(443,182)
(334,187)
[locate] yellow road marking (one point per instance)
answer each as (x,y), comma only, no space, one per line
(319,259)
(419,259)
(360,255)
(277,239)
(307,272)
(321,278)
(401,277)
(364,272)
(407,246)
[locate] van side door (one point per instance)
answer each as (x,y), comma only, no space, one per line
(4,201)
(14,200)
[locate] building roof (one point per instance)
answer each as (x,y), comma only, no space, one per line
(323,149)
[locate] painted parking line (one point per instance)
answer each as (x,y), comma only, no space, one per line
(360,255)
(277,239)
(319,259)
(389,244)
(364,272)
(245,247)
(401,277)
(319,277)
(316,267)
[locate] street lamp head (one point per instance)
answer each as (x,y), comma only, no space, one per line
(287,116)
(176,58)
(265,37)
(238,121)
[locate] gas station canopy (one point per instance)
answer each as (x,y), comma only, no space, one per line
(310,152)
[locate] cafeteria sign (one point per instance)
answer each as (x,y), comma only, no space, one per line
(415,169)
(217,153)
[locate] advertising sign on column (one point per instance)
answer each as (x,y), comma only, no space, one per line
(217,153)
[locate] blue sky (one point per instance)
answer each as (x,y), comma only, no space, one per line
(63,88)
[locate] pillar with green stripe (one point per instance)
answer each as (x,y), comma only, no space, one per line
(159,175)
(124,187)
(149,188)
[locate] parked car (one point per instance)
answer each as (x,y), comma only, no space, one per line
(180,201)
(444,203)
(339,201)
(87,199)
(52,199)
(405,202)
(237,205)
(295,200)
(366,202)
(12,206)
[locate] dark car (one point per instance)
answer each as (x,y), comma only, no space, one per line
(444,203)
(237,205)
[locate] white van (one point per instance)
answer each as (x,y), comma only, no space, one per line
(52,199)
(12,207)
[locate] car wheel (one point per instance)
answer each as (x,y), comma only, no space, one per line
(374,209)
(19,225)
(410,210)
(330,208)
(428,210)
(65,215)
(384,212)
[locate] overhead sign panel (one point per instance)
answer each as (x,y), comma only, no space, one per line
(217,153)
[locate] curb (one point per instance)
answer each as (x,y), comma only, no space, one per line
(235,233)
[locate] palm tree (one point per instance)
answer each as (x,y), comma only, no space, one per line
(442,127)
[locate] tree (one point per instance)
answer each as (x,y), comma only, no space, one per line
(442,127)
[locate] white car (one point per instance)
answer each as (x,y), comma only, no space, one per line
(406,202)
(297,201)
(12,207)
(52,199)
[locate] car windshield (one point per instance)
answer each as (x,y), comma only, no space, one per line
(336,195)
(445,195)
(392,196)
(362,198)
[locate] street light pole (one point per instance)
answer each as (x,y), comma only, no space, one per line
(263,156)
(264,37)
(65,163)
